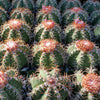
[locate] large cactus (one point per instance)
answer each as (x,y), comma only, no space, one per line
(16,29)
(48,29)
(23,14)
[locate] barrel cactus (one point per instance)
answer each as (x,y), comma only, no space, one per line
(67,4)
(10,88)
(15,29)
(40,3)
(49,13)
(13,54)
(23,14)
(77,30)
(48,29)
(48,53)
(74,13)
(82,54)
(91,5)
(23,3)
(49,86)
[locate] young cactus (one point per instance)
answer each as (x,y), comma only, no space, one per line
(16,29)
(10,88)
(49,86)
(3,15)
(74,13)
(49,13)
(67,4)
(76,31)
(23,14)
(23,3)
(82,54)
(91,5)
(48,29)
(48,53)
(13,54)
(40,3)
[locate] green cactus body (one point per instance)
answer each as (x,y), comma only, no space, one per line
(67,4)
(49,86)
(48,30)
(40,3)
(3,16)
(10,88)
(49,13)
(13,54)
(48,53)
(76,31)
(82,55)
(91,5)
(74,13)
(16,29)
(23,14)
(23,3)
(95,17)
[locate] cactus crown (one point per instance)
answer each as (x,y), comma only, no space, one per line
(76,9)
(48,24)
(91,82)
(15,24)
(84,45)
(46,9)
(48,45)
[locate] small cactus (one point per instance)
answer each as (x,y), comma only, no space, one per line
(48,29)
(49,13)
(82,54)
(74,13)
(23,14)
(76,31)
(15,29)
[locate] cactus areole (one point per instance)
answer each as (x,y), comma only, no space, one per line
(3,79)
(76,9)
(84,45)
(48,45)
(15,24)
(91,82)
(51,82)
(46,9)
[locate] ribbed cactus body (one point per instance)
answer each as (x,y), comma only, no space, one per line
(49,86)
(74,13)
(16,29)
(13,54)
(3,16)
(82,55)
(49,13)
(23,3)
(23,14)
(67,4)
(48,29)
(76,31)
(48,53)
(91,5)
(40,3)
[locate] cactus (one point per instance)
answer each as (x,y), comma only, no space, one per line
(74,13)
(67,4)
(15,29)
(76,31)
(23,14)
(48,53)
(10,88)
(49,13)
(40,3)
(49,86)
(82,54)
(91,5)
(13,54)
(3,15)
(48,29)
(23,3)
